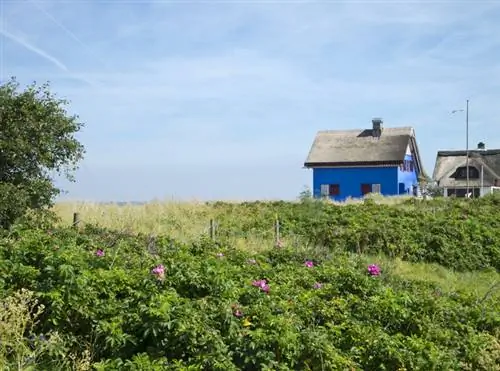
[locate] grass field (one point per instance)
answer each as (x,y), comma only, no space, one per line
(184,220)
(188,221)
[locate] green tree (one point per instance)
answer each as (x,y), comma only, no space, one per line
(306,194)
(37,141)
(429,187)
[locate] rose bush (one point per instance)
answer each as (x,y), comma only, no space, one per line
(207,305)
(458,234)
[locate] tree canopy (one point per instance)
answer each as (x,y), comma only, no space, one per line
(37,141)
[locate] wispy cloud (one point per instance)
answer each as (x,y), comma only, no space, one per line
(222,99)
(67,31)
(34,49)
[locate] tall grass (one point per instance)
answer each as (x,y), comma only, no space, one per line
(184,221)
(187,221)
(178,219)
(20,347)
(479,283)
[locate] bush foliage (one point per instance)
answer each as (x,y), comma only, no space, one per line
(126,302)
(37,140)
(454,233)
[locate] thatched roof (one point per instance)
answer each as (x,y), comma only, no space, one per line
(448,161)
(360,146)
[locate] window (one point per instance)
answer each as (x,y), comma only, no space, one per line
(461,173)
(462,192)
(366,188)
(330,190)
(334,189)
(370,188)
(324,190)
(407,165)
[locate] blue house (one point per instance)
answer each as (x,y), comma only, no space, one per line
(353,163)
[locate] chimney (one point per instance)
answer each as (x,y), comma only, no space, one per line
(481,146)
(377,127)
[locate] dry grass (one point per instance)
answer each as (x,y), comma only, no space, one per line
(19,313)
(187,221)
(184,221)
(379,199)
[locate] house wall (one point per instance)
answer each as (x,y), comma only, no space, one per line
(350,180)
(407,179)
(461,192)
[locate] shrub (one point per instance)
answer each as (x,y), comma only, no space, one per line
(456,234)
(36,139)
(205,308)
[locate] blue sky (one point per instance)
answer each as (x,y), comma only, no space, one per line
(222,99)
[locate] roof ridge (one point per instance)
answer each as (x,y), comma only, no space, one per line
(463,152)
(331,131)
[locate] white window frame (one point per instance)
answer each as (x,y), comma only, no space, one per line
(376,188)
(325,190)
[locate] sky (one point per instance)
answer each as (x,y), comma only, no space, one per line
(222,99)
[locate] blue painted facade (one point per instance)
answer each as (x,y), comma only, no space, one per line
(353,181)
(407,176)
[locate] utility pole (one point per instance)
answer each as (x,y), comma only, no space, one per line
(467,143)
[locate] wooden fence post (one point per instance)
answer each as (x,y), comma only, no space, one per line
(212,229)
(277,230)
(76,220)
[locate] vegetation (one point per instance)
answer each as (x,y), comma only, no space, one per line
(455,234)
(129,300)
(36,140)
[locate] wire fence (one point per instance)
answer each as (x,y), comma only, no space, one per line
(215,231)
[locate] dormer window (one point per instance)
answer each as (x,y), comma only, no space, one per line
(461,173)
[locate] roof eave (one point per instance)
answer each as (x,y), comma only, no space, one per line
(354,163)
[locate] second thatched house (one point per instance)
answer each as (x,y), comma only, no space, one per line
(450,171)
